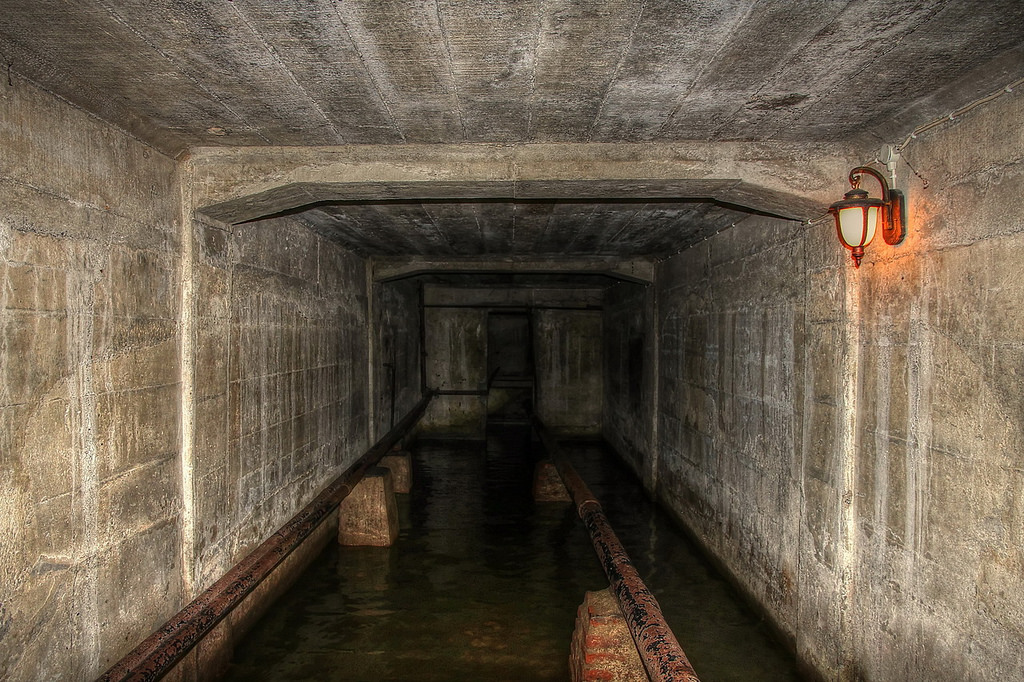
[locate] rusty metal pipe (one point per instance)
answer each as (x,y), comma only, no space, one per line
(658,647)
(159,652)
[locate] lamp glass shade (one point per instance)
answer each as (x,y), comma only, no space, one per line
(857,225)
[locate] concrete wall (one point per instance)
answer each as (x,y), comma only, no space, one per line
(847,442)
(90,501)
(569,365)
(281,381)
(629,412)
(166,403)
(732,324)
(938,476)
(456,343)
(567,354)
(397,357)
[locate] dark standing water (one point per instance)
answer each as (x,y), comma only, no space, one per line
(483,584)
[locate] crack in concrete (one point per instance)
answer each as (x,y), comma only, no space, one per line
(725,41)
(625,225)
(618,69)
(238,117)
(877,56)
(272,51)
(451,67)
(533,72)
(364,60)
(774,77)
(437,228)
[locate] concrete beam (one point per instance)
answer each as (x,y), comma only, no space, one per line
(789,180)
(637,270)
(552,296)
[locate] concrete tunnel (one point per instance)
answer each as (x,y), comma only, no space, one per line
(239,239)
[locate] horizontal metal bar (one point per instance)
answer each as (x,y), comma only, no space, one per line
(659,649)
(158,653)
(471,391)
(511,306)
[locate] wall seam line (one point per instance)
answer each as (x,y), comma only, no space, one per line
(187,360)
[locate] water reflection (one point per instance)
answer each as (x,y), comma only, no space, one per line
(483,584)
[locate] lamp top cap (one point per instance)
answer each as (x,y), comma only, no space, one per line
(856,198)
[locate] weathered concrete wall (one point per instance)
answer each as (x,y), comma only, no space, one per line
(938,476)
(629,412)
(114,332)
(568,352)
(456,343)
(397,356)
(89,390)
(730,326)
(847,441)
(281,380)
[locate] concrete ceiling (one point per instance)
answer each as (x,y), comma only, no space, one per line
(325,72)
(180,74)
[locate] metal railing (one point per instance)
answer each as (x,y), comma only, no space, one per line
(658,647)
(158,653)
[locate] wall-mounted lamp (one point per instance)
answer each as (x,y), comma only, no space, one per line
(858,215)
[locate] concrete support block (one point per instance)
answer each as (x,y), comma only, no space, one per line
(368,517)
(547,484)
(602,648)
(400,465)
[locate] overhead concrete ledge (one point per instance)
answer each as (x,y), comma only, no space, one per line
(637,270)
(788,180)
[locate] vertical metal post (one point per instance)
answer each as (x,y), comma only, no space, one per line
(423,342)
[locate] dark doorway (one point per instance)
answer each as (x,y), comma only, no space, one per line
(510,366)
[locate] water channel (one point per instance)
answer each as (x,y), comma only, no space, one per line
(483,583)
